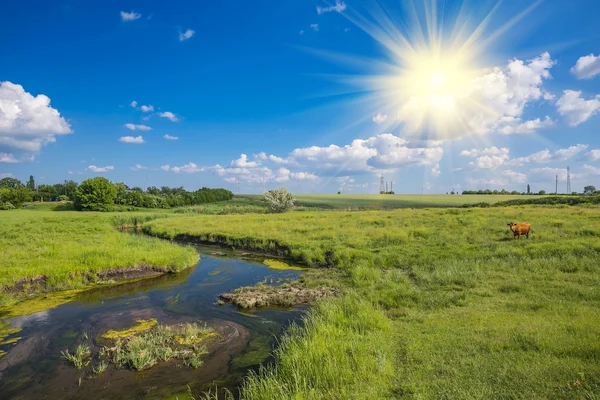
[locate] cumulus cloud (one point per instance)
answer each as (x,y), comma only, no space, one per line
(314,27)
(186,35)
(489,151)
(169,137)
(133,104)
(131,139)
(187,168)
(243,162)
(530,126)
(93,168)
(587,67)
(261,156)
(134,127)
(515,177)
(544,156)
(576,109)
(592,155)
(8,158)
(339,6)
(138,167)
(304,176)
(380,118)
(28,122)
(169,115)
(147,108)
(130,16)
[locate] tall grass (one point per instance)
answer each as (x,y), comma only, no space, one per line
(65,250)
(459,308)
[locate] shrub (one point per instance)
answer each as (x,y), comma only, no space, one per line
(279,200)
(16,196)
(95,194)
(6,206)
(62,197)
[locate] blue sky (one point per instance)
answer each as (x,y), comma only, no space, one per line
(315,96)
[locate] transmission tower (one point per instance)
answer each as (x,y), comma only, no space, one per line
(556,191)
(382,185)
(568,180)
(391,186)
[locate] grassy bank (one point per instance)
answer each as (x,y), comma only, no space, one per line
(386,201)
(462,309)
(46,250)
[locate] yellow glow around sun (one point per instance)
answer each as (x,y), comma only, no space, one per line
(430,86)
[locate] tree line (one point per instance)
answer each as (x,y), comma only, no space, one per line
(590,189)
(99,194)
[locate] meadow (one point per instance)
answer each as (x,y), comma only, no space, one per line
(68,248)
(387,201)
(438,303)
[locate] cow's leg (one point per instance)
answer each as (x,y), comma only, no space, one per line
(527,234)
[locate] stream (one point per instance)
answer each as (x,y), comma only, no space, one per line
(33,367)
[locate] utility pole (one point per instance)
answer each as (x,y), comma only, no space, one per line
(386,188)
(238,186)
(381,185)
(568,180)
(391,186)
(556,191)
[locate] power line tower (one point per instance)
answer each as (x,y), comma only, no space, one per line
(391,186)
(556,191)
(382,185)
(568,180)
(386,187)
(238,186)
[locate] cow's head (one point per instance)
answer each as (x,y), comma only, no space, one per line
(512,226)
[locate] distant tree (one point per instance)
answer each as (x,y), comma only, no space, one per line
(514,192)
(339,192)
(542,192)
(15,196)
(279,200)
(95,194)
(10,183)
(589,189)
(31,183)
(528,189)
(452,192)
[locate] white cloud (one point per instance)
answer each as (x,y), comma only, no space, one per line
(8,158)
(576,109)
(338,7)
(565,154)
(592,155)
(261,156)
(488,162)
(187,168)
(133,127)
(590,171)
(530,126)
(489,151)
(169,137)
(93,168)
(131,139)
(587,67)
(186,35)
(5,175)
(147,108)
(243,162)
(544,156)
(435,171)
(169,115)
(314,27)
(304,176)
(130,16)
(28,122)
(515,177)
(138,167)
(380,118)
(279,160)
(133,104)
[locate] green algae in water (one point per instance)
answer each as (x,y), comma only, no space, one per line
(280,265)
(142,325)
(5,331)
(42,303)
(258,350)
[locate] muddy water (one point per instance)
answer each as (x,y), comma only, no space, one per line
(33,367)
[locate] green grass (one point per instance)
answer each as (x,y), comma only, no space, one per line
(80,358)
(68,248)
(455,306)
(386,201)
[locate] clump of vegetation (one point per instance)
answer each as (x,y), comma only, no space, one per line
(99,368)
(280,265)
(142,350)
(95,194)
(81,357)
(279,200)
(285,295)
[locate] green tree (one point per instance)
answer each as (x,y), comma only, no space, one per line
(95,194)
(589,189)
(15,196)
(279,200)
(10,183)
(542,192)
(31,183)
(528,189)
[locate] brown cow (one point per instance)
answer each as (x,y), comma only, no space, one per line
(519,229)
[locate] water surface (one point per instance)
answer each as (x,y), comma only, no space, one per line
(33,367)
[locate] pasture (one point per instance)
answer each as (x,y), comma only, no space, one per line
(387,201)
(439,303)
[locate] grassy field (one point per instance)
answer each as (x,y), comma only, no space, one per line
(377,201)
(438,304)
(60,245)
